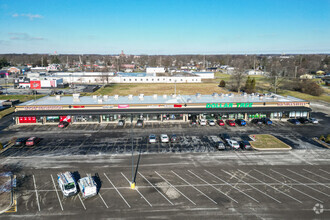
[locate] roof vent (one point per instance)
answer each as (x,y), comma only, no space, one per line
(130,96)
(214,95)
(94,96)
(189,100)
(58,97)
(155,96)
(99,100)
(261,97)
(165,96)
(230,94)
(141,96)
(105,97)
(252,94)
(244,94)
(76,95)
(116,97)
(198,95)
(221,94)
(173,96)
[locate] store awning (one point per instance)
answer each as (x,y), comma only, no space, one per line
(160,111)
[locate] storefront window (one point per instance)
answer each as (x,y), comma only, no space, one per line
(50,119)
(86,118)
(167,117)
(154,117)
(303,114)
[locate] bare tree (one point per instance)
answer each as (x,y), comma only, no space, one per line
(238,76)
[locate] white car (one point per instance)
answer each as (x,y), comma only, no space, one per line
(202,122)
(313,120)
(233,144)
(152,138)
(164,138)
(211,122)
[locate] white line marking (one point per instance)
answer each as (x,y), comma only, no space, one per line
(252,186)
(81,201)
(300,158)
(194,187)
(308,178)
(232,186)
(137,190)
(300,182)
(156,189)
(325,171)
(270,186)
(290,186)
(212,186)
(103,200)
(117,190)
(316,174)
(56,192)
(35,188)
(175,188)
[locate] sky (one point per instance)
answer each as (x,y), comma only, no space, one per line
(165,26)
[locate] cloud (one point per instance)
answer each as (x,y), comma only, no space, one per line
(30,16)
(24,37)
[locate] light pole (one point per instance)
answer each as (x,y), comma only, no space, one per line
(6,85)
(133,182)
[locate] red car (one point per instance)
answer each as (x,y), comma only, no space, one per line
(230,122)
(63,124)
(221,123)
(32,141)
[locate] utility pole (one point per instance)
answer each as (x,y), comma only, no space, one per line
(275,84)
(295,71)
(204,63)
(133,182)
(42,61)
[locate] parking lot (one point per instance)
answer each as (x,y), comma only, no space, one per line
(168,186)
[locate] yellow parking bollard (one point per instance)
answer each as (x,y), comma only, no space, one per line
(132,185)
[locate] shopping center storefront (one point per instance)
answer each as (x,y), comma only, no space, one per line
(50,110)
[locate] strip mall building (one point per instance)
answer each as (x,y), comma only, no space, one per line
(110,109)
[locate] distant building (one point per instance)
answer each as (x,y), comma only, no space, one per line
(204,75)
(154,70)
(255,72)
(306,76)
(14,70)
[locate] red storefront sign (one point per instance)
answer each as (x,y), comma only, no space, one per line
(177,106)
(78,106)
(123,106)
(35,85)
(65,118)
(27,119)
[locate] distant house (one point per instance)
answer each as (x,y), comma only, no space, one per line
(153,70)
(306,76)
(14,70)
(255,72)
(204,75)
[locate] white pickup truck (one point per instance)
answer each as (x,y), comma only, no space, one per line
(67,184)
(87,186)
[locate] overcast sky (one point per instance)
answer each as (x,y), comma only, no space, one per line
(165,27)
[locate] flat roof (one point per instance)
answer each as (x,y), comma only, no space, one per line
(159,99)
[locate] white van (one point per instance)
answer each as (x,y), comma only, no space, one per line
(87,186)
(67,184)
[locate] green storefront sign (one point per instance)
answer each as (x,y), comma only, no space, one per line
(229,105)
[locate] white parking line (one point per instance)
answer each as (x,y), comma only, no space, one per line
(232,186)
(81,201)
(212,186)
(325,171)
(35,188)
(252,186)
(175,188)
(194,187)
(56,192)
(284,184)
(300,182)
(103,200)
(137,190)
(156,189)
(117,190)
(308,178)
(270,186)
(316,174)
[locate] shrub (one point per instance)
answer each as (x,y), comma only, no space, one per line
(321,138)
(222,83)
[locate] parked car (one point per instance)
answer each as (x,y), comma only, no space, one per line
(240,122)
(266,121)
(202,122)
(303,120)
(193,122)
(234,144)
(211,122)
(221,122)
(152,138)
(220,145)
(230,122)
(313,120)
(174,138)
(225,137)
(245,145)
(294,121)
(257,121)
(20,141)
(121,123)
(164,138)
(139,123)
(32,141)
(63,124)
(217,142)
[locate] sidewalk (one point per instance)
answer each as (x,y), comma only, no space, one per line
(6,195)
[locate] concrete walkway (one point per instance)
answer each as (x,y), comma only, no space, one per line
(6,198)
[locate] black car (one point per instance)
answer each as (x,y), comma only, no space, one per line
(294,121)
(257,121)
(303,120)
(139,123)
(240,122)
(193,122)
(266,121)
(224,137)
(174,138)
(20,141)
(245,145)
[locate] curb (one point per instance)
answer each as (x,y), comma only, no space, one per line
(321,142)
(3,150)
(11,200)
(270,149)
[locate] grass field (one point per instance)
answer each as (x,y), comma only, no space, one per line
(6,112)
(267,142)
(150,89)
(324,97)
(22,98)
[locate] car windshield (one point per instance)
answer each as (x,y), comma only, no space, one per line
(69,186)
